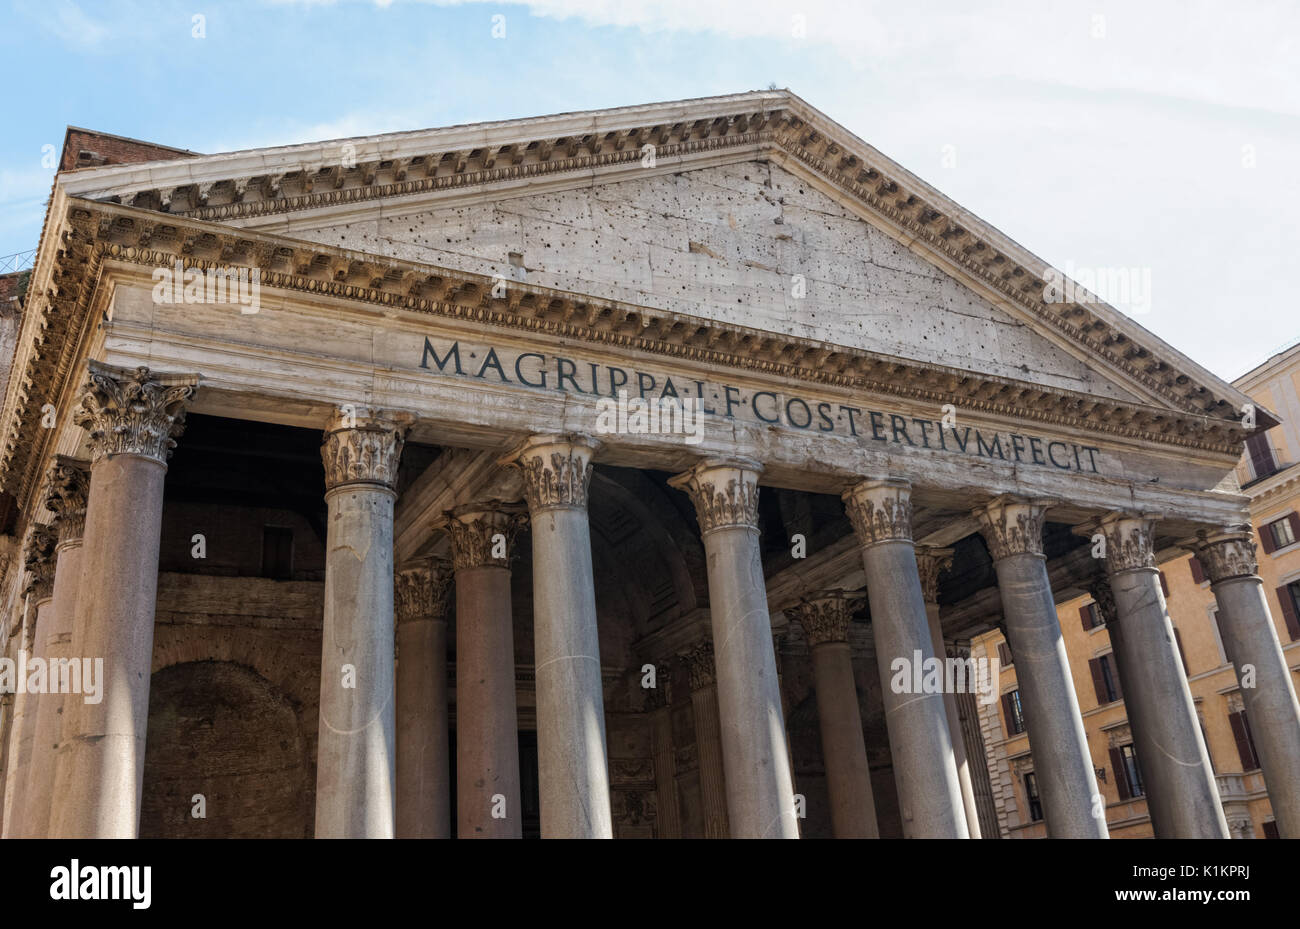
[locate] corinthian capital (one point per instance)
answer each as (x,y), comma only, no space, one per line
(930,563)
(363,446)
(66,496)
(1130,541)
(420,590)
(724,492)
(556,469)
(699,664)
(880,511)
(133,411)
(483,534)
(1225,554)
(825,616)
(1013,525)
(38,560)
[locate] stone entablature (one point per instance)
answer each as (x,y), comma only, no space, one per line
(620,328)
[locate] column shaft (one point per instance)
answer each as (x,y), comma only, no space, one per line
(573,768)
(66,498)
(1267,689)
(760,792)
(423,769)
(825,620)
(1181,791)
(356,755)
(1062,764)
(487,727)
(131,418)
(24,807)
(925,771)
(708,741)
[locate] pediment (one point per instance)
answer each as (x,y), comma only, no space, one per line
(973,292)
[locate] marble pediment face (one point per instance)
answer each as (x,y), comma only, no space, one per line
(749,244)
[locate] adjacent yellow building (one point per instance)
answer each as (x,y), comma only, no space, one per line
(1268,473)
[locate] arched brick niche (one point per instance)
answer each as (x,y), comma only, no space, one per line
(222,730)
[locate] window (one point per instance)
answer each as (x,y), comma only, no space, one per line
(1245,741)
(1288,597)
(1090,616)
(1280,533)
(1128,776)
(1270,830)
(1131,770)
(1004,655)
(1014,713)
(1031,794)
(1261,455)
(1105,680)
(277,553)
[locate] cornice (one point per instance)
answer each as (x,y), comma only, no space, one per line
(243,186)
(91,234)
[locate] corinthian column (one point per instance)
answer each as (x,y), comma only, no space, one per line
(1013,529)
(423,775)
(825,621)
(708,739)
(487,726)
(1267,690)
(38,557)
(929,793)
(573,769)
(1181,790)
(356,758)
(69,488)
(930,563)
(132,418)
(760,792)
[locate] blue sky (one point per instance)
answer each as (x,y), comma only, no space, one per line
(1152,137)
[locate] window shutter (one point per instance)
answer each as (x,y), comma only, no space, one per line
(1198,573)
(1009,711)
(1005,657)
(1121,774)
(1164,584)
(1085,617)
(1245,748)
(1287,601)
(1270,830)
(1098,681)
(1266,537)
(1178,640)
(1294,517)
(1113,662)
(1261,455)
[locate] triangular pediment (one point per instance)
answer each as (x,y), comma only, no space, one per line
(923,278)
